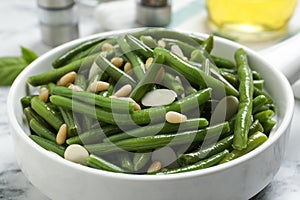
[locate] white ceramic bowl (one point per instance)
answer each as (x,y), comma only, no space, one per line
(236,180)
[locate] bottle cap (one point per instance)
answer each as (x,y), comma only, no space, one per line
(55,4)
(153,15)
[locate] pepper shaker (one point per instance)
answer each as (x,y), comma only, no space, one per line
(58,21)
(153,12)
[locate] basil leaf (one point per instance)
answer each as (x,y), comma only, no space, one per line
(28,55)
(11,67)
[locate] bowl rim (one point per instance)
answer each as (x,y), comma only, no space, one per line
(203,172)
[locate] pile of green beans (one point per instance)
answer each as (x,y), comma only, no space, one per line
(121,134)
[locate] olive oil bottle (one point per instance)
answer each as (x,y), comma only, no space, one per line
(256,19)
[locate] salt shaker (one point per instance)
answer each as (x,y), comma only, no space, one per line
(58,21)
(153,12)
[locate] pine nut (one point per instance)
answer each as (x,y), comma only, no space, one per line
(136,106)
(76,153)
(106,47)
(148,62)
(123,91)
(154,167)
(75,87)
(175,117)
(117,61)
(67,78)
(127,67)
(99,86)
(62,134)
(44,94)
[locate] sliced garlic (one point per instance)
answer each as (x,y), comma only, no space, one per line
(159,97)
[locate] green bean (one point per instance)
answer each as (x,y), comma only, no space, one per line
(42,131)
(99,163)
(96,76)
(224,35)
(26,101)
(223,62)
(99,47)
(194,75)
(111,126)
(268,125)
(159,129)
(198,56)
(108,117)
(158,33)
(86,122)
(232,71)
(189,90)
(55,74)
(49,115)
(158,141)
(209,162)
(208,44)
(264,116)
(49,145)
(67,116)
(186,48)
(50,86)
(81,81)
(96,48)
(201,57)
(94,136)
(259,84)
(146,84)
(125,161)
(257,92)
(256,75)
(255,127)
(202,153)
(170,82)
(140,159)
(254,141)
(110,90)
(136,62)
(225,143)
(94,99)
(148,41)
(231,78)
(139,47)
(258,102)
(66,56)
(156,114)
(243,118)
(114,72)
(31,114)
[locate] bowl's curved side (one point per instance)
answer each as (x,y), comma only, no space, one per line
(238,179)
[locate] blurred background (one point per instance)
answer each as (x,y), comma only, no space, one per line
(21,20)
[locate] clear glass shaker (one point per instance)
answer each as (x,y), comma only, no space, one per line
(58,21)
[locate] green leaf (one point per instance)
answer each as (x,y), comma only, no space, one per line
(28,55)
(11,67)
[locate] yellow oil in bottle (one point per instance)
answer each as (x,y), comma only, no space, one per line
(250,18)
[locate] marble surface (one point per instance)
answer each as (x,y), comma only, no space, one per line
(19,26)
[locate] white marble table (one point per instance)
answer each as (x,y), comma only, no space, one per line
(19,26)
